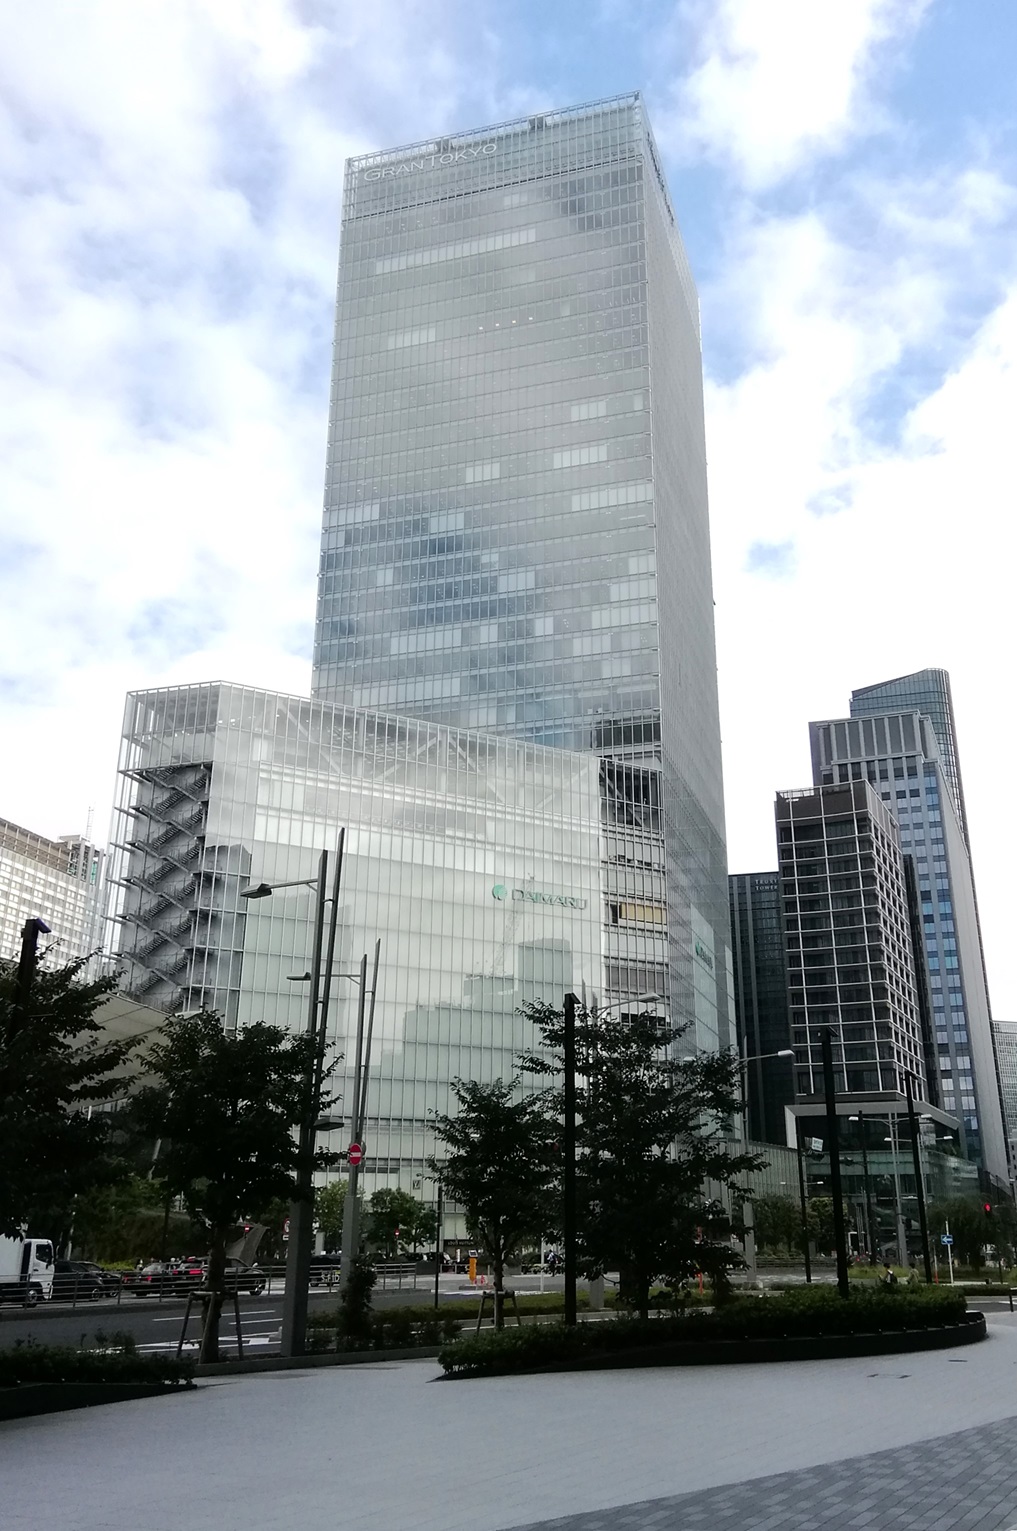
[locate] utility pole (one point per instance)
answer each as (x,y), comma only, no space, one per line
(298,1252)
(839,1233)
(27,964)
(868,1189)
(568,1221)
(803,1200)
(439,1243)
(361,1076)
(916,1154)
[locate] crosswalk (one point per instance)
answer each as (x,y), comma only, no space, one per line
(227,1340)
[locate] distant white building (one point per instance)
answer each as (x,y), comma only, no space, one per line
(59,881)
(1004,1036)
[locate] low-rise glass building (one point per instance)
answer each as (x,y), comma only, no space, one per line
(475,860)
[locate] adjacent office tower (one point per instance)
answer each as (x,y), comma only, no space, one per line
(760,983)
(60,880)
(850,959)
(516,535)
(1004,1035)
(907,750)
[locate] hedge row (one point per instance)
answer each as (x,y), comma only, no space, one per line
(25,1363)
(810,1313)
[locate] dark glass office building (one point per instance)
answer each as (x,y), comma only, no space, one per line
(761,1008)
(516,533)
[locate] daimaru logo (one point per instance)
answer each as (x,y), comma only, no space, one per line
(535,896)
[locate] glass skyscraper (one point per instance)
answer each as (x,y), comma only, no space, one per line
(909,756)
(516,532)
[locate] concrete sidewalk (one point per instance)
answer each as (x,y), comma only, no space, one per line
(378,1447)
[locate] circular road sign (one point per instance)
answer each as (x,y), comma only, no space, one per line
(354,1154)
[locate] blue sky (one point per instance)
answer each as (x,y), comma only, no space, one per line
(170,180)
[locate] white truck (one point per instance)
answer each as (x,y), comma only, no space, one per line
(26,1270)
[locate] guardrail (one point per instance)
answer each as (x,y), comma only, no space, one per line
(169,1289)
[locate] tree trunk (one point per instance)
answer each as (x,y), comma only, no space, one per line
(499,1295)
(643,1297)
(213,1303)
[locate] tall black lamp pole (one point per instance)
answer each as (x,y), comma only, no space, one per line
(839,1231)
(916,1154)
(568,1220)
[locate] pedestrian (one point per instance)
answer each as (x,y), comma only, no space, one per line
(889,1276)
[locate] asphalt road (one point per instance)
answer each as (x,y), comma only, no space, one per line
(156,1325)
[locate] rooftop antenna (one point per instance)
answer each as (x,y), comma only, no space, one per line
(88,825)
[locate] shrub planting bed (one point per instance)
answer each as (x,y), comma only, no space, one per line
(795,1325)
(38,1379)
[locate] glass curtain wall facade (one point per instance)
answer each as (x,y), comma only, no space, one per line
(764,1025)
(900,755)
(475,860)
(927,692)
(516,530)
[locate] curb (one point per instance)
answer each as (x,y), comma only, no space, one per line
(29,1398)
(830,1347)
(309,1363)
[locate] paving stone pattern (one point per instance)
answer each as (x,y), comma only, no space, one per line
(961,1482)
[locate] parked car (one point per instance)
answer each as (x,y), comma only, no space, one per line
(77,1279)
(158,1277)
(192,1274)
(325,1269)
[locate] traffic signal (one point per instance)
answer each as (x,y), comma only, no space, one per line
(987,1208)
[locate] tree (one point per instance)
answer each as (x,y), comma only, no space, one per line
(54,1065)
(226,1106)
(498,1164)
(821,1224)
(972,1229)
(778,1223)
(329,1201)
(398,1221)
(652,1131)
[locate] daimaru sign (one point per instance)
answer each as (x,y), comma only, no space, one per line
(535,896)
(431,162)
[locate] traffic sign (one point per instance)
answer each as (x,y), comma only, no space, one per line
(946,1238)
(354,1154)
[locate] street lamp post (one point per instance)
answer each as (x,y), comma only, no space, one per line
(361,1075)
(916,1153)
(860,1119)
(839,1233)
(748,1212)
(298,1253)
(568,1178)
(803,1200)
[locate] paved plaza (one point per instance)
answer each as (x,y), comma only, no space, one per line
(890,1443)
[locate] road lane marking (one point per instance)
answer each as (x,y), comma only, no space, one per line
(254,1313)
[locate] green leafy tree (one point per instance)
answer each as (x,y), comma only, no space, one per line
(498,1162)
(397,1221)
(652,1131)
(972,1230)
(329,1202)
(226,1106)
(821,1225)
(128,1221)
(778,1223)
(55,1063)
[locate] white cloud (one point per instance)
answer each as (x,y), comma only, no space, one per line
(170,183)
(910,566)
(772,85)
